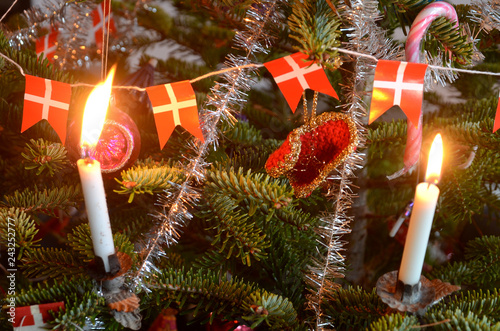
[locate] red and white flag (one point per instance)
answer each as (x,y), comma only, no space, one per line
(35,317)
(295,73)
(48,44)
(46,99)
(174,104)
(398,83)
(102,19)
(496,125)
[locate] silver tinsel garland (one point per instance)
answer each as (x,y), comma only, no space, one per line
(225,99)
(364,37)
(486,13)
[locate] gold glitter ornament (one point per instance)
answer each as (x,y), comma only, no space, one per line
(312,151)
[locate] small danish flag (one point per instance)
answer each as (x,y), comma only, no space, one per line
(496,125)
(35,317)
(295,73)
(48,44)
(101,21)
(398,83)
(174,104)
(46,99)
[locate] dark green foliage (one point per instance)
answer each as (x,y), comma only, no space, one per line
(144,179)
(81,243)
(395,322)
(51,291)
(355,308)
(478,302)
(386,133)
(245,253)
(234,231)
(212,293)
(33,200)
(77,313)
(459,320)
(44,155)
(445,37)
(314,26)
(256,188)
(80,300)
(53,262)
(16,227)
(480,268)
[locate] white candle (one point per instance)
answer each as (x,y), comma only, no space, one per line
(97,209)
(419,230)
(90,173)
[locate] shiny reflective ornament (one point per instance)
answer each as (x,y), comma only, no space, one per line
(313,150)
(119,144)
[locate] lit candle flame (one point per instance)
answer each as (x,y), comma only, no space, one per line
(435,162)
(94,114)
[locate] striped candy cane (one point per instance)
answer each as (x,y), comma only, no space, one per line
(417,32)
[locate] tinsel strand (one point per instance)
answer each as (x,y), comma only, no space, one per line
(225,97)
(366,37)
(486,13)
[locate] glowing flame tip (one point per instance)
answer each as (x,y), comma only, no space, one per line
(433,173)
(95,111)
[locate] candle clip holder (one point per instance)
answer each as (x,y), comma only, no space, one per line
(412,298)
(124,305)
(119,264)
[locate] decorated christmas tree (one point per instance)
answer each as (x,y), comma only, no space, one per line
(236,165)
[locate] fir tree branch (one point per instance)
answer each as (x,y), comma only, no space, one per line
(33,200)
(78,311)
(52,262)
(394,322)
(144,179)
(210,294)
(257,187)
(16,224)
(235,233)
(44,155)
(52,291)
(481,268)
(478,302)
(461,320)
(354,308)
(316,28)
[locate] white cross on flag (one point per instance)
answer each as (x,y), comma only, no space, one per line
(101,17)
(46,99)
(48,44)
(174,104)
(35,317)
(295,73)
(398,83)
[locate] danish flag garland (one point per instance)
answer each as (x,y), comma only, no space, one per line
(398,83)
(295,73)
(46,99)
(395,83)
(174,104)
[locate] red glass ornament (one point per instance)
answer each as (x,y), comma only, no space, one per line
(119,144)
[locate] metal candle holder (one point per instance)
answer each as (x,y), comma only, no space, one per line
(412,298)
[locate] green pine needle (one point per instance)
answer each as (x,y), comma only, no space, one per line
(150,180)
(44,155)
(34,200)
